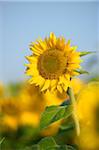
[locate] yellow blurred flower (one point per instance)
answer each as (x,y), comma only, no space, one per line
(77,85)
(52,63)
(10,106)
(88,113)
(29,118)
(31,99)
(26,108)
(9,122)
(10,111)
(54,98)
(33,103)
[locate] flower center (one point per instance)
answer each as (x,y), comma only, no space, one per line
(51,64)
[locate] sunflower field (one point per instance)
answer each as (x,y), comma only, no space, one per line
(49,75)
(53,109)
(21,107)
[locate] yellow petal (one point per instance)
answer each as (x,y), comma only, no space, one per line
(46,85)
(67,46)
(67,76)
(38,80)
(53,38)
(47,42)
(41,82)
(31,58)
(38,47)
(53,83)
(65,87)
(32,69)
(30,80)
(53,88)
(59,88)
(42,44)
(36,52)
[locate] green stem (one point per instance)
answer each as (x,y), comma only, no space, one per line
(74,114)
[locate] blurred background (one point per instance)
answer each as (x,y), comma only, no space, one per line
(21,105)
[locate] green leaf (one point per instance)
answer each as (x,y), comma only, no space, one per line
(54,113)
(67,127)
(81,71)
(85,53)
(33,147)
(47,143)
(1,141)
(63,147)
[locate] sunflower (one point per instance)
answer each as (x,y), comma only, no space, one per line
(88,114)
(10,111)
(52,64)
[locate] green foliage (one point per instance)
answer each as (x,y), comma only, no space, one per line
(85,53)
(1,140)
(48,143)
(53,114)
(81,71)
(44,144)
(67,126)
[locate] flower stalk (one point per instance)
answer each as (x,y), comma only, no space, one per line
(74,113)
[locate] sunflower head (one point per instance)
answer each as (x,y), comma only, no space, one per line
(53,63)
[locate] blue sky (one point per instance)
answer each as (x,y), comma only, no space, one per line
(23,22)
